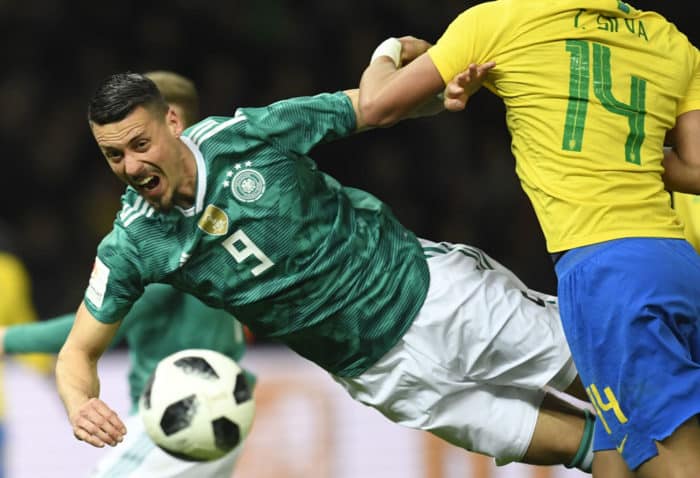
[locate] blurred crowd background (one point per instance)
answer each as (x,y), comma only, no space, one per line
(447,178)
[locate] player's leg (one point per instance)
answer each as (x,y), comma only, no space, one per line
(679,454)
(631,311)
(473,365)
(500,332)
(563,434)
(675,459)
(607,462)
(610,464)
(503,422)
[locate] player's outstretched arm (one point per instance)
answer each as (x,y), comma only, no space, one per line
(402,81)
(78,384)
(45,336)
(682,161)
(429,108)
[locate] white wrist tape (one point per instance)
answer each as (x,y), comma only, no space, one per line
(390,47)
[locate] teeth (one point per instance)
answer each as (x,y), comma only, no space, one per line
(144,181)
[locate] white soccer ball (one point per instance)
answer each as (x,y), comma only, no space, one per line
(197,405)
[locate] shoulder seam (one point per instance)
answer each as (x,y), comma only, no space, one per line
(201,128)
(130,213)
(201,135)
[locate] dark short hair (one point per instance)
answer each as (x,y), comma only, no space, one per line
(118,95)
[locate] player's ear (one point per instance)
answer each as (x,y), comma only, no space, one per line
(174,121)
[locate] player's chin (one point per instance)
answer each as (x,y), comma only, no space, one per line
(159,202)
(161,206)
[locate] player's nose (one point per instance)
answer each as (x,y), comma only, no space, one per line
(132,166)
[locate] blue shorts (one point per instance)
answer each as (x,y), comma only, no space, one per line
(631,314)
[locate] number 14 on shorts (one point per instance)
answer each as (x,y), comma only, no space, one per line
(602,406)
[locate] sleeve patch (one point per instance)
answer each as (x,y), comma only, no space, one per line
(98,283)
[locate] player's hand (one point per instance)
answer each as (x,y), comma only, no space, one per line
(412,48)
(95,423)
(465,84)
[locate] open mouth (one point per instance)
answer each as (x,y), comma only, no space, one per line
(148,183)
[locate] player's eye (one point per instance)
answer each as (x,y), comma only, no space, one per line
(113,156)
(142,145)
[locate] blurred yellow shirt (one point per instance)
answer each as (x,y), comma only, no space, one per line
(16,308)
(590,89)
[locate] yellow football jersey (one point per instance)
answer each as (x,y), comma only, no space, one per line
(688,208)
(590,89)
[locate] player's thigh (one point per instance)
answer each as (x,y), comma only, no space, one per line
(496,421)
(610,464)
(412,391)
(481,324)
(678,454)
(558,433)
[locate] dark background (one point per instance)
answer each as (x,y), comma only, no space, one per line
(447,178)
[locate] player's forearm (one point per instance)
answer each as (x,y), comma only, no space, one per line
(389,94)
(46,336)
(375,101)
(76,378)
(76,367)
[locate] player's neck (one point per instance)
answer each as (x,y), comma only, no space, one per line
(185,194)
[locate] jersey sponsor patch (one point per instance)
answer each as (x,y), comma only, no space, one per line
(214,221)
(98,283)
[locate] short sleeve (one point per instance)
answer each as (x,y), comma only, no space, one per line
(298,124)
(472,37)
(116,280)
(691,101)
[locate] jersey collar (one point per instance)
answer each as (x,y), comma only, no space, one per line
(201,179)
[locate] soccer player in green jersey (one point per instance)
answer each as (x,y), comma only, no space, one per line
(436,336)
(163,321)
(592,90)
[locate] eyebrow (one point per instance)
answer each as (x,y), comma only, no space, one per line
(110,150)
(131,142)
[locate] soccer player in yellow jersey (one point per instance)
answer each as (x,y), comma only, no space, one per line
(592,88)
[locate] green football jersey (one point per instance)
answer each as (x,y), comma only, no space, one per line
(286,249)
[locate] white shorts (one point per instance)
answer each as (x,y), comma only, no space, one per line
(472,366)
(138,457)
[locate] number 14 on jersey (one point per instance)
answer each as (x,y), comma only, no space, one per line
(582,67)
